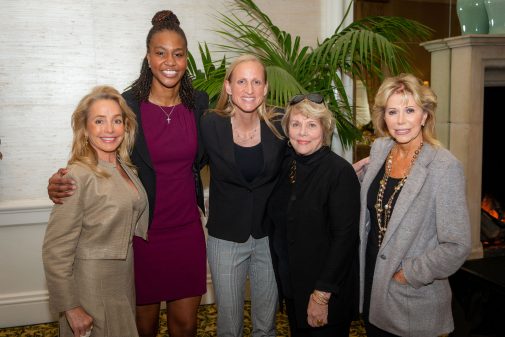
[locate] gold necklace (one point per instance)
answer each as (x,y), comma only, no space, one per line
(384,210)
(292,172)
(246,137)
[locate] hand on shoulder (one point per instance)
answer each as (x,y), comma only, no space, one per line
(60,187)
(361,166)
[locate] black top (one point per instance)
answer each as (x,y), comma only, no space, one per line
(314,233)
(237,206)
(372,247)
(249,160)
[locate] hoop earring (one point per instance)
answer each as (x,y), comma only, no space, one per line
(289,143)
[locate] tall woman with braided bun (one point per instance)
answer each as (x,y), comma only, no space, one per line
(171,265)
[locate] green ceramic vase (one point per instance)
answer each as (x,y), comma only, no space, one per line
(472,16)
(496,13)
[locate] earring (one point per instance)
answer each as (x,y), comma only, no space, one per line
(289,143)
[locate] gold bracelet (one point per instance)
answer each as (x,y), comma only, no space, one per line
(318,300)
(321,296)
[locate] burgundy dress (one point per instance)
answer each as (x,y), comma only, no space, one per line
(172,263)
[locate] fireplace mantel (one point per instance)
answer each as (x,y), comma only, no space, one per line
(460,69)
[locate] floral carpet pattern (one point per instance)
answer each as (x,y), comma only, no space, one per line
(206,325)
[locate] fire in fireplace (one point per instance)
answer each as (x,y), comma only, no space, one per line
(492,230)
(493,173)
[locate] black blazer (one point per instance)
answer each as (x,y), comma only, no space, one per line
(236,205)
(320,217)
(142,160)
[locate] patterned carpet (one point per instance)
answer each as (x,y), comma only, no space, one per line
(206,326)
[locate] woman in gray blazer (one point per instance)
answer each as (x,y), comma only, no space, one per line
(87,250)
(414,225)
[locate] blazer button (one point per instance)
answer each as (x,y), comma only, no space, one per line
(383,256)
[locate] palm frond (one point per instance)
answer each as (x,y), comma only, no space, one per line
(282,86)
(211,78)
(364,49)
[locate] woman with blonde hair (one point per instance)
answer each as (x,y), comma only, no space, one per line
(414,225)
(314,211)
(245,148)
(87,250)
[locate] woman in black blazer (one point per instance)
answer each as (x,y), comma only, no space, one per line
(314,211)
(245,149)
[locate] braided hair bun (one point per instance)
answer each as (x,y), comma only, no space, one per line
(163,21)
(165,17)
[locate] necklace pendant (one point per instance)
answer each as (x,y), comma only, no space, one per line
(167,114)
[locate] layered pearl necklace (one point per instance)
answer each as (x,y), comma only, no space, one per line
(384,210)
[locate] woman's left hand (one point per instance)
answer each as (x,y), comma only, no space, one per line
(400,277)
(317,314)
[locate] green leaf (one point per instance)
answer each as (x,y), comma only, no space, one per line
(365,49)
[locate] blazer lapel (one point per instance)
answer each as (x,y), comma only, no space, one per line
(140,140)
(409,192)
(267,141)
(378,157)
(201,104)
(224,133)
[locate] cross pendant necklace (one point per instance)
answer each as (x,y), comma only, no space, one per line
(167,114)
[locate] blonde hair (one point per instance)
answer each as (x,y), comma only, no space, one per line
(309,109)
(423,96)
(225,107)
(82,152)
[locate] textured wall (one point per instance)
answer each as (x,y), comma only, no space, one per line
(53,52)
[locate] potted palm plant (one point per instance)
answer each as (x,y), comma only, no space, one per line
(365,50)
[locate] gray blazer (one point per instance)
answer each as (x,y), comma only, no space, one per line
(428,237)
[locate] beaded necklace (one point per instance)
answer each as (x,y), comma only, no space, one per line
(384,210)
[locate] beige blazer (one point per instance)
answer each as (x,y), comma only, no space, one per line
(96,222)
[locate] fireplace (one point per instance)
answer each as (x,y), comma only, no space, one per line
(493,173)
(461,68)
